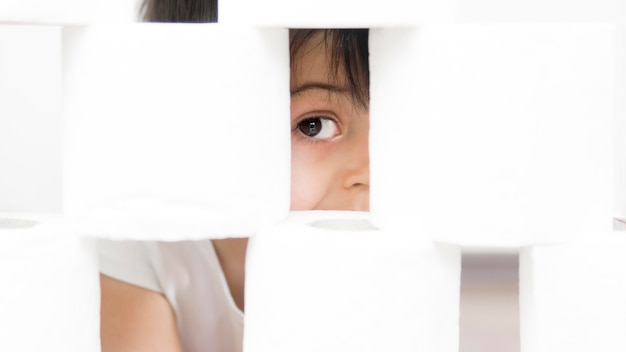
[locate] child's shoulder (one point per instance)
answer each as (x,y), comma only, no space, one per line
(150,264)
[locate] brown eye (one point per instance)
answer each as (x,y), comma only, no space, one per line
(310,127)
(318,127)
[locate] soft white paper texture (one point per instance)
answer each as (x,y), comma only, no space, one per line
(336,14)
(619,129)
(50,296)
(330,282)
(547,11)
(572,295)
(176,131)
(62,12)
(494,135)
(31,128)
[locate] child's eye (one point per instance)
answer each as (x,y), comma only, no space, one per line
(318,127)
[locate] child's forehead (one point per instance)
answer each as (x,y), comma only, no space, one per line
(310,48)
(313,63)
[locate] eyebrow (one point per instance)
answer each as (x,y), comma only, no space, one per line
(317,85)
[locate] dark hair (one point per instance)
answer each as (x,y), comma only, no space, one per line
(349,53)
(349,47)
(194,11)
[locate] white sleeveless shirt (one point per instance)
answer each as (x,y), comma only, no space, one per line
(189,275)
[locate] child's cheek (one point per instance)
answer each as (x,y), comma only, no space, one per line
(302,189)
(306,187)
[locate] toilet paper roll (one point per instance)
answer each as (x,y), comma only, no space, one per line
(572,295)
(542,11)
(619,129)
(173,132)
(60,12)
(335,283)
(493,135)
(337,14)
(49,296)
(31,124)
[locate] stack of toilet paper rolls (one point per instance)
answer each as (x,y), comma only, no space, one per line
(49,274)
(144,159)
(511,131)
(483,136)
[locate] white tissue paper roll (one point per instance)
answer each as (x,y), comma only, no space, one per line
(61,12)
(619,130)
(176,131)
(336,13)
(545,11)
(329,281)
(493,135)
(572,295)
(31,127)
(50,293)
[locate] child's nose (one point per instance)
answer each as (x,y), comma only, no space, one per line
(357,178)
(358,169)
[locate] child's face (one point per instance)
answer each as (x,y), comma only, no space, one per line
(329,143)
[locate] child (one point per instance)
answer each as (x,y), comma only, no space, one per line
(189,295)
